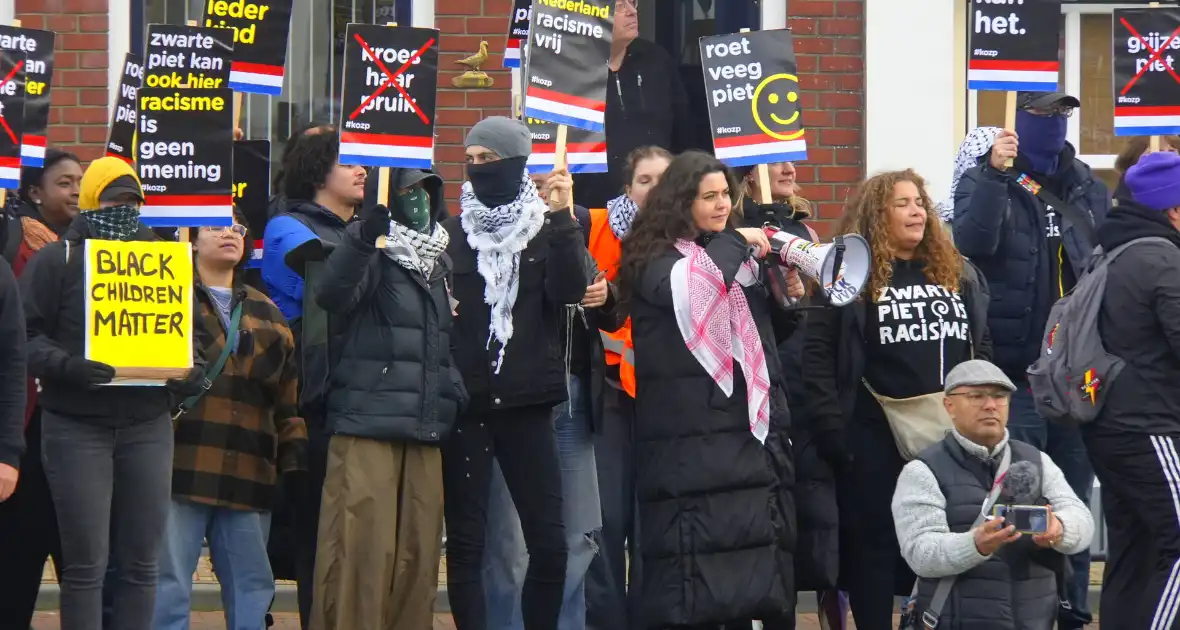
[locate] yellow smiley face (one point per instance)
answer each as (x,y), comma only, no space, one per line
(777,94)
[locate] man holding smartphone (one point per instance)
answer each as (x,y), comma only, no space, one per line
(943,505)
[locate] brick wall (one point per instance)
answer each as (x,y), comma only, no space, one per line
(829,45)
(78,117)
(458,110)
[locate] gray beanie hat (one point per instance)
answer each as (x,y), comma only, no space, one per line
(508,137)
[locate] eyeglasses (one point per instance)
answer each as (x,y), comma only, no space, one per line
(976,399)
(627,5)
(236,228)
(1064,111)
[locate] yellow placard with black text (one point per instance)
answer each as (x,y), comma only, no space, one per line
(139,307)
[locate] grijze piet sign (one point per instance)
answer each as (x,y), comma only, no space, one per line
(568,52)
(139,308)
(752,84)
(390,77)
(585,150)
(121,136)
(187,57)
(184,153)
(36,49)
(518,33)
(1014,45)
(260,41)
(13,96)
(1146,73)
(252,189)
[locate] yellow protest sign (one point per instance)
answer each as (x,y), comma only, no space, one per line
(139,306)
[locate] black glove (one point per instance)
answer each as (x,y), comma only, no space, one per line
(375,223)
(87,373)
(830,446)
(192,384)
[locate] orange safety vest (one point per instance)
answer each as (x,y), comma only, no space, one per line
(606,250)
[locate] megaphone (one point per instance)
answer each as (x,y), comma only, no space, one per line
(841,268)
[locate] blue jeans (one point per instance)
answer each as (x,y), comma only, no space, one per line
(505,558)
(1064,445)
(237,544)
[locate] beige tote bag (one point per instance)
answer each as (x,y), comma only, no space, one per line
(916,423)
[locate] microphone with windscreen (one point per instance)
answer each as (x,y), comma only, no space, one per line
(1022,484)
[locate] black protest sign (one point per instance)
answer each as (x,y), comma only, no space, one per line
(187,57)
(518,33)
(752,83)
(36,49)
(1014,45)
(252,182)
(13,95)
(1146,79)
(390,79)
(260,41)
(185,156)
(121,139)
(569,48)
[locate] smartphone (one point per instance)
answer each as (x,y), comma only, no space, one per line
(1028,519)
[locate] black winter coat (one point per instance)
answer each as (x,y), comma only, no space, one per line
(716,505)
(552,275)
(1140,322)
(53,291)
(1001,227)
(392,377)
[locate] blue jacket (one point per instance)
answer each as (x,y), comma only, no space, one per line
(1001,227)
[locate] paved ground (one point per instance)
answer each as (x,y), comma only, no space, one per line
(214,621)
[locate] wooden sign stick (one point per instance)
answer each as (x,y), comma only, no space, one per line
(762,172)
(1010,118)
(559,159)
(383,183)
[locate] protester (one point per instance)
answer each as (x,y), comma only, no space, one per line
(867,350)
(646,105)
(28,524)
(1135,148)
(709,460)
(615,570)
(223,489)
(1030,229)
(391,398)
(974,148)
(1002,579)
(278,199)
(87,429)
(517,263)
(505,555)
(1132,441)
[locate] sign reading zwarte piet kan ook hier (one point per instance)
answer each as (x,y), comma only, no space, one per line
(1146,76)
(260,31)
(752,85)
(35,49)
(185,157)
(568,52)
(1014,45)
(390,77)
(13,97)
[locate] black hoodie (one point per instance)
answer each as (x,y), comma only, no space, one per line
(1140,322)
(646,104)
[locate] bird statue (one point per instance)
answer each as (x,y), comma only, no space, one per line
(478,59)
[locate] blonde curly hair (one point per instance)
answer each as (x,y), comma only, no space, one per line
(867,213)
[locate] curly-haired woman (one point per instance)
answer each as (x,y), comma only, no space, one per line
(712,470)
(923,311)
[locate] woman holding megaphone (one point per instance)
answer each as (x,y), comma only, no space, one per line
(923,311)
(710,455)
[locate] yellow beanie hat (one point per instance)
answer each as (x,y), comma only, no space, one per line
(100,174)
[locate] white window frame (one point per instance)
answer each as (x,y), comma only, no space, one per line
(1073,76)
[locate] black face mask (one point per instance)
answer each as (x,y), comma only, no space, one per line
(496,183)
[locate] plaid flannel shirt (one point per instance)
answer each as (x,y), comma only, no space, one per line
(245,430)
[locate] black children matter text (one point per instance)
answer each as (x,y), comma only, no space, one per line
(129,278)
(189,56)
(987,21)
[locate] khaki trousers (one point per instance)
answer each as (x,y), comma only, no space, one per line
(380,536)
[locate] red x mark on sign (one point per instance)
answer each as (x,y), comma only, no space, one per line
(392,80)
(1155,55)
(11,73)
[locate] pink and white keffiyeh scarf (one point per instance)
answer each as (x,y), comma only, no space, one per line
(718,328)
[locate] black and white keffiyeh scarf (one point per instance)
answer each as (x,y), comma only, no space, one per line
(977,144)
(117,223)
(415,250)
(621,211)
(498,235)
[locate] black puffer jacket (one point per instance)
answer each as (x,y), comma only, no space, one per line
(552,275)
(716,505)
(392,377)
